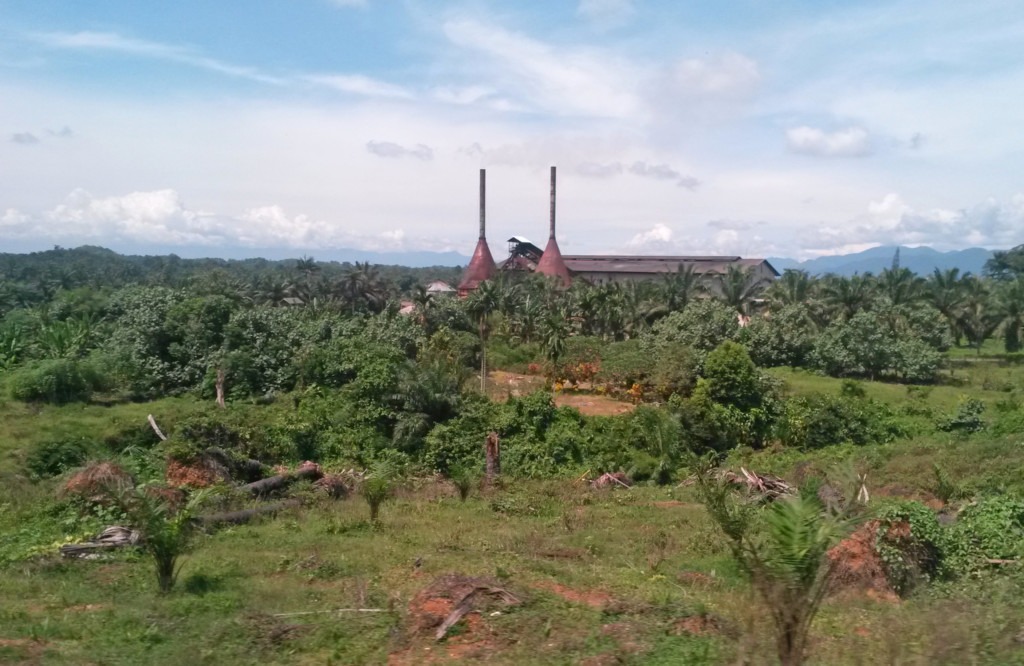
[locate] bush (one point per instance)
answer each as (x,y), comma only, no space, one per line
(967,418)
(57,381)
(911,544)
(785,337)
(702,326)
(823,420)
(51,459)
(992,528)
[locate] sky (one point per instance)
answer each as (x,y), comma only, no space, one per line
(795,128)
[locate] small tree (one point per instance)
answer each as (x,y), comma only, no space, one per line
(377,488)
(166,524)
(783,548)
(463,478)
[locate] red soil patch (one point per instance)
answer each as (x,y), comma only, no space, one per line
(624,634)
(668,504)
(195,476)
(96,482)
(592,598)
(857,566)
(697,625)
(470,639)
(695,579)
(594,405)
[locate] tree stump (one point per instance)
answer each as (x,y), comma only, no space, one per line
(492,451)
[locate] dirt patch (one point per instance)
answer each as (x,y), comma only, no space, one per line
(697,625)
(594,405)
(85,608)
(624,635)
(695,578)
(668,504)
(469,639)
(857,566)
(31,651)
(593,598)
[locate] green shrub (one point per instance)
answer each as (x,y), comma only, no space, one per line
(966,419)
(53,458)
(57,381)
(911,544)
(823,420)
(990,529)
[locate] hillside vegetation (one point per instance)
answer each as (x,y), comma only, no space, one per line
(850,457)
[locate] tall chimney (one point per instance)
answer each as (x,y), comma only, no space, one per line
(551,263)
(483,202)
(551,234)
(481,266)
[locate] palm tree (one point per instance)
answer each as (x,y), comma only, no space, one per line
(901,285)
(738,289)
(794,287)
(846,297)
(481,305)
(946,291)
(679,287)
(976,318)
(1009,309)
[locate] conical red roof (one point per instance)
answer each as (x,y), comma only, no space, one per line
(552,264)
(481,267)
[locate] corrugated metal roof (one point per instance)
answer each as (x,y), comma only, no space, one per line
(656,264)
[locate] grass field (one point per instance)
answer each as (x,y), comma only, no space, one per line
(601,577)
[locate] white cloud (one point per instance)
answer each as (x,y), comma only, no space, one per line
(24,138)
(892,221)
(606,13)
(726,75)
(596,170)
(657,237)
(113,42)
(161,218)
(561,81)
(357,84)
(664,172)
(389,149)
(847,142)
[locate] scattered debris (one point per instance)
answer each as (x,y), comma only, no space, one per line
(857,566)
(307,470)
(609,480)
(332,485)
(245,515)
(156,428)
(594,599)
(335,610)
(697,625)
(95,482)
(115,536)
(768,486)
(443,603)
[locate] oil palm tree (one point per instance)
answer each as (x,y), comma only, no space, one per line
(945,290)
(901,285)
(679,287)
(1009,309)
(793,288)
(739,290)
(481,305)
(976,318)
(846,296)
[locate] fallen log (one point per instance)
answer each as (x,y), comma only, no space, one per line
(110,538)
(272,483)
(245,515)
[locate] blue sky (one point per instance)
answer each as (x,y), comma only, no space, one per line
(755,128)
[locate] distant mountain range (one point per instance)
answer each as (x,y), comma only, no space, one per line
(411,259)
(921,260)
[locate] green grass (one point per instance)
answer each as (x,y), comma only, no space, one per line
(647,558)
